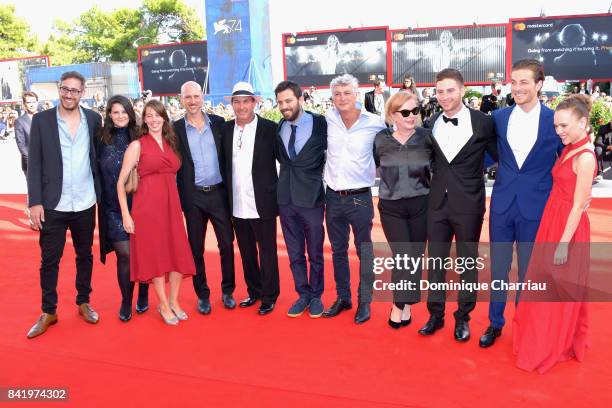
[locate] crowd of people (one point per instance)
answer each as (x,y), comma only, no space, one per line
(150,171)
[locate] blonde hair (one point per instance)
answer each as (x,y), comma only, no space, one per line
(396,101)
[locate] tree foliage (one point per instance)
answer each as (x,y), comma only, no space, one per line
(98,35)
(15,37)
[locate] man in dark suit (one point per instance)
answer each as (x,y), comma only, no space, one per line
(63,189)
(203,194)
(528,149)
(374,101)
(22,127)
(300,149)
(457,195)
(250,170)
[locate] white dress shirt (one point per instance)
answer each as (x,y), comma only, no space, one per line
(379,104)
(523,132)
(243,193)
(350,159)
(451,138)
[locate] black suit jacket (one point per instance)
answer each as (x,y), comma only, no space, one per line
(369,104)
(185,177)
(265,177)
(300,181)
(463,178)
(22,137)
(45,171)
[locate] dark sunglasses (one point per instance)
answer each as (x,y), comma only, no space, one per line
(406,112)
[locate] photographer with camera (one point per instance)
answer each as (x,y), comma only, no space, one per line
(429,106)
(491,102)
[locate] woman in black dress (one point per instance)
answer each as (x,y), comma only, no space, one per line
(118,131)
(403,155)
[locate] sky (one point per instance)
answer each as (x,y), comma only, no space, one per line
(310,15)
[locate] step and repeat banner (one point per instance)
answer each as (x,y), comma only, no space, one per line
(164,68)
(570,47)
(315,58)
(479,52)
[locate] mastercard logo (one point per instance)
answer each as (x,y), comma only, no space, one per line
(398,37)
(290,40)
(520,26)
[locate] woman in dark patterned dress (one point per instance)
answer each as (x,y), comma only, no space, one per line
(119,130)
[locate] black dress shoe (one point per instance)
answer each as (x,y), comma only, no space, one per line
(228,301)
(125,312)
(265,308)
(338,306)
(433,324)
(204,306)
(250,301)
(363,313)
(407,322)
(462,331)
(489,336)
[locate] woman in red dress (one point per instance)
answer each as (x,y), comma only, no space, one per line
(546,333)
(159,250)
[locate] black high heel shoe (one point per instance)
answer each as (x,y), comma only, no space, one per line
(125,312)
(394,325)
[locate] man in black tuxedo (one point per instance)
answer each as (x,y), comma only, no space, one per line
(300,149)
(457,195)
(63,189)
(22,127)
(374,101)
(203,194)
(250,168)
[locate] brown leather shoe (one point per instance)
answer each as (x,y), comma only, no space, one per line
(44,321)
(88,314)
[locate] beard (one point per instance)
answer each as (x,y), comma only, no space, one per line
(294,115)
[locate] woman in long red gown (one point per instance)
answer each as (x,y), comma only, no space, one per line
(546,333)
(159,247)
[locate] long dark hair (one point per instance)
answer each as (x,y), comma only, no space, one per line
(106,133)
(167,131)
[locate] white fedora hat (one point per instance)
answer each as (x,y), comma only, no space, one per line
(243,89)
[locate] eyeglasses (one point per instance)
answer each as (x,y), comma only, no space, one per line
(406,112)
(65,90)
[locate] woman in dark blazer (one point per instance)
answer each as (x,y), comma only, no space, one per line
(118,131)
(404,154)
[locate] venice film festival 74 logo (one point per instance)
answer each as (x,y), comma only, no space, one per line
(227,26)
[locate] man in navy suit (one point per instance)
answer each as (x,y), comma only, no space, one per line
(528,147)
(300,149)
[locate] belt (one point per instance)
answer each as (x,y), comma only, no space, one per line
(351,191)
(208,189)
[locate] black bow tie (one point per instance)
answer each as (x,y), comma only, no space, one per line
(454,121)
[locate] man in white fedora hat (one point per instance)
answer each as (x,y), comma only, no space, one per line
(250,163)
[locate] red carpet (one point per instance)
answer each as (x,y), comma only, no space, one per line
(237,358)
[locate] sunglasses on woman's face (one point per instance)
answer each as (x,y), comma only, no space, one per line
(406,112)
